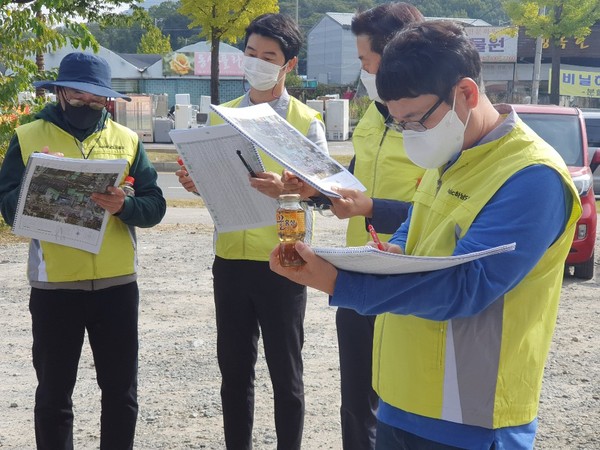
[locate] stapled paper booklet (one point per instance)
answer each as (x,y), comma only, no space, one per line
(210,155)
(55,202)
(368,259)
(270,132)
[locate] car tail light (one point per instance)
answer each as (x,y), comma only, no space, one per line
(581,231)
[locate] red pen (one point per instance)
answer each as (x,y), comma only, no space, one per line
(375,237)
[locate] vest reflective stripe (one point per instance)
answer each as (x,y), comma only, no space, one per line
(383,168)
(58,263)
(256,244)
(492,381)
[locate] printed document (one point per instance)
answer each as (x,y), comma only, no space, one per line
(210,157)
(371,260)
(55,202)
(270,132)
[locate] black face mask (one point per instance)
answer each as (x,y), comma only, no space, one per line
(83,117)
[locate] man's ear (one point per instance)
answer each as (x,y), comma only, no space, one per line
(291,64)
(470,90)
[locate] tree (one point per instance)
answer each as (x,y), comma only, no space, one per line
(29,28)
(562,19)
(170,21)
(223,20)
(155,42)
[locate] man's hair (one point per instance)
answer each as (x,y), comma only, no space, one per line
(281,28)
(382,22)
(427,58)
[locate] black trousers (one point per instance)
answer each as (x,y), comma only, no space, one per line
(359,401)
(250,299)
(59,320)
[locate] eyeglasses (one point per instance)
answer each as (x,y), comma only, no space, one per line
(78,103)
(413,126)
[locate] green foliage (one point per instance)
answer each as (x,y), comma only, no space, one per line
(165,16)
(28,29)
(13,116)
(562,18)
(553,20)
(358,106)
(154,42)
(223,20)
(293,80)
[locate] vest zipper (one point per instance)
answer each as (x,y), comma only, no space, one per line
(377,160)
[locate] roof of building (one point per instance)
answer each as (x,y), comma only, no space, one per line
(204,46)
(345,19)
(141,61)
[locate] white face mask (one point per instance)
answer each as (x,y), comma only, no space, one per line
(262,75)
(436,146)
(368,81)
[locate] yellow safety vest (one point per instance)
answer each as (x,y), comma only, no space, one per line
(382,166)
(50,262)
(256,244)
(485,370)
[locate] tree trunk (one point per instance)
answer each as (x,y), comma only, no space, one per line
(555,52)
(214,71)
(555,81)
(39,61)
(215,40)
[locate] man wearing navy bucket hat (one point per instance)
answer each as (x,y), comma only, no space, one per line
(73,290)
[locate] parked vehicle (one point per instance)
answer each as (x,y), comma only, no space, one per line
(564,129)
(592,127)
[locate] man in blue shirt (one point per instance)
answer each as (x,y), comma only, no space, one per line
(459,352)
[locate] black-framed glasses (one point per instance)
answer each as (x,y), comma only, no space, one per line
(413,126)
(78,103)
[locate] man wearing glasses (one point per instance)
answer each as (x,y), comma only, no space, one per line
(459,353)
(74,291)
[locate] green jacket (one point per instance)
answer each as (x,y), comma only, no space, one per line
(50,263)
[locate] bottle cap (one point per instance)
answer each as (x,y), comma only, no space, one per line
(289,197)
(129,179)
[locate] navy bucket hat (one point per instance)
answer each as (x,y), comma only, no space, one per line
(84,72)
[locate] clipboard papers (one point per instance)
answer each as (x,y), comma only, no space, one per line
(267,130)
(210,157)
(371,260)
(55,202)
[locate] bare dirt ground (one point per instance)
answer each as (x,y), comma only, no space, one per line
(179,378)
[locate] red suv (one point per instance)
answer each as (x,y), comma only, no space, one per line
(564,129)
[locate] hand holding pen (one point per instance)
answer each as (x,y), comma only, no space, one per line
(374,235)
(250,171)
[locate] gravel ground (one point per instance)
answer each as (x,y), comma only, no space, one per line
(179,378)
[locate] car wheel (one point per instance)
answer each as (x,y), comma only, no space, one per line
(585,270)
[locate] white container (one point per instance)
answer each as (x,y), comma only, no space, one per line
(204,104)
(337,121)
(136,115)
(182,99)
(317,105)
(161,108)
(182,116)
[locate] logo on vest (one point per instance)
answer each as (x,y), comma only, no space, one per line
(458,195)
(111,147)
